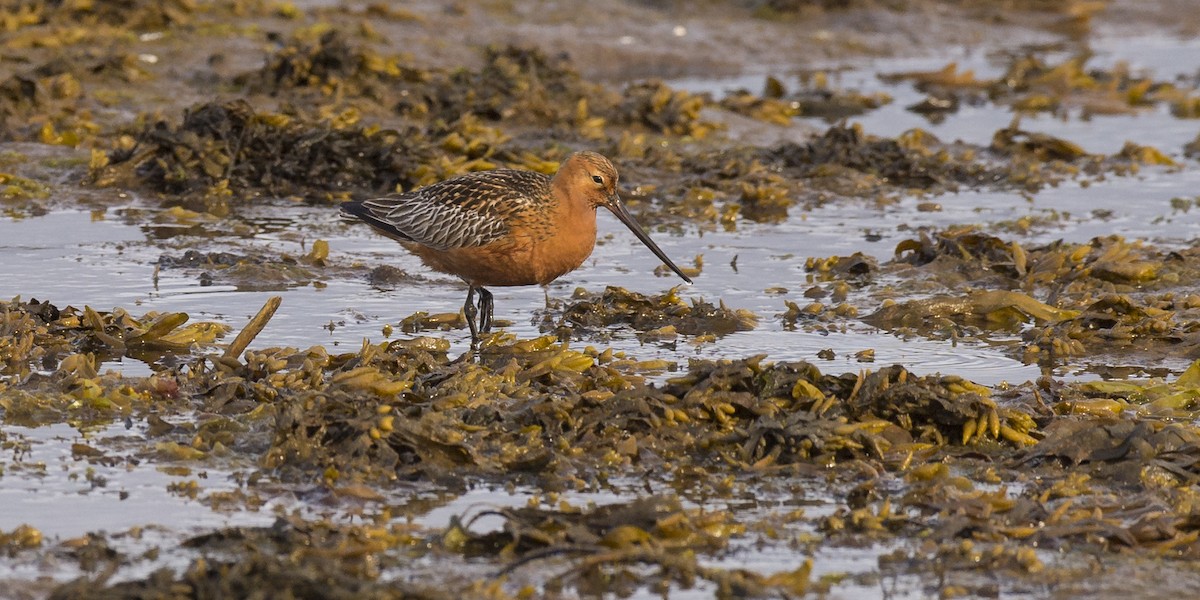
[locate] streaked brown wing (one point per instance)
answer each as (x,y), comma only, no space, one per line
(465,212)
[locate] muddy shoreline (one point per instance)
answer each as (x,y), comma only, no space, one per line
(952,359)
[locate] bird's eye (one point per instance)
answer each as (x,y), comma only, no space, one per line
(598,179)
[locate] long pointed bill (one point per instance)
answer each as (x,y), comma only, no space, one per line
(618,208)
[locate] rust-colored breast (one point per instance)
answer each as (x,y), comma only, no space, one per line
(537,250)
(492,228)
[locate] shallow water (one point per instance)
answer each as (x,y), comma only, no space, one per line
(106,267)
(84,494)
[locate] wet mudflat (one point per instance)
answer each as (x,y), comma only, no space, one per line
(941,340)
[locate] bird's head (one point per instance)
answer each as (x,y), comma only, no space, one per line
(592,176)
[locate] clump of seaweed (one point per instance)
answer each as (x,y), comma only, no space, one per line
(521,84)
(994,310)
(383,413)
(611,542)
(763,108)
(834,105)
(978,257)
(138,15)
(517,85)
(916,162)
(231,145)
(764,184)
(39,334)
(1065,299)
(665,313)
(330,64)
(52,103)
(658,107)
(815,98)
(293,557)
(1030,84)
(251,272)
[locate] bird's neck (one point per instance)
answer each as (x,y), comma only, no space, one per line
(572,204)
(572,236)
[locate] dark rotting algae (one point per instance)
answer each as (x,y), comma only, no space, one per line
(815,98)
(520,86)
(233,146)
(762,184)
(39,336)
(318,150)
(254,271)
(1065,299)
(294,558)
(1031,84)
(360,123)
(911,165)
(330,64)
(664,314)
(609,543)
(138,15)
(382,414)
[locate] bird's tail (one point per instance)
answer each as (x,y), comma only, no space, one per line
(358,211)
(353,211)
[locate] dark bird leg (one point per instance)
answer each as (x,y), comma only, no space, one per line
(485,310)
(470,312)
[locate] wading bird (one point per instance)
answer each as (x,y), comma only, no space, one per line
(504,227)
